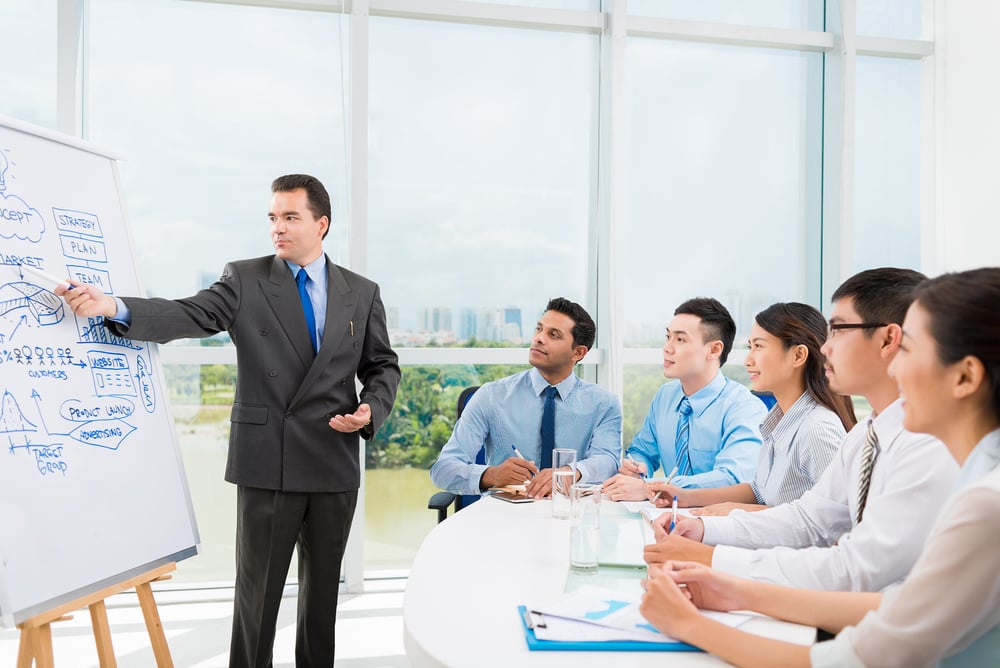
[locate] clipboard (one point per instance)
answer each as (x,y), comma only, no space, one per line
(536,645)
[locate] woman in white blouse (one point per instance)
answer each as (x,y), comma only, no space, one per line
(947,611)
(803,430)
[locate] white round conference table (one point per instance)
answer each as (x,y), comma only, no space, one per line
(474,569)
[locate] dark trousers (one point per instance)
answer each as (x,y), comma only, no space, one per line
(269,524)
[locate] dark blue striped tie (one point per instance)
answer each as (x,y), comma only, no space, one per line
(301,279)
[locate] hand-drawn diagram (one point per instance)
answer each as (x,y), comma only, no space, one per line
(90,413)
(45,308)
(18,219)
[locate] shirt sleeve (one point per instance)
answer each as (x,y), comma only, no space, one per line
(952,596)
(645,445)
(605,444)
(455,469)
(736,460)
(868,557)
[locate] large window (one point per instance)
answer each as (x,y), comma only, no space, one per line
(890,18)
(502,153)
(28,60)
(722,180)
(207,118)
(887,164)
(479,211)
(480,174)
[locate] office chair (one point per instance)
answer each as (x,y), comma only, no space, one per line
(768,398)
(441,500)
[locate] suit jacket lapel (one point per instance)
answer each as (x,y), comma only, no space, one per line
(339,307)
(339,310)
(281,293)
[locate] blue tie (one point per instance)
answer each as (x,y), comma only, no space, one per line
(548,426)
(301,279)
(683,457)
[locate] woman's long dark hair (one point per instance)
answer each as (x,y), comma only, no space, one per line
(964,310)
(796,324)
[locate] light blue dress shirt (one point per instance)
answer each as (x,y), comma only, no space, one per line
(508,412)
(725,437)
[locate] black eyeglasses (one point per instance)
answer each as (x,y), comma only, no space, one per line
(834,327)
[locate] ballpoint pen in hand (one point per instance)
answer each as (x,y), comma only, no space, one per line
(632,459)
(673,516)
(669,478)
(519,455)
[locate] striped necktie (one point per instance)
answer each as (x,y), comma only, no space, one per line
(683,457)
(868,456)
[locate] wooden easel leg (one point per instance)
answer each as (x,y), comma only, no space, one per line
(102,635)
(153,626)
(25,650)
(36,643)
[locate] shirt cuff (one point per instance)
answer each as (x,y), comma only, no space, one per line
(123,315)
(475,477)
(735,560)
(715,529)
(836,653)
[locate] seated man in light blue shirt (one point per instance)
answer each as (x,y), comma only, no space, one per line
(509,412)
(705,425)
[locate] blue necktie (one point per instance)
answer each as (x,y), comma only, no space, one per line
(301,279)
(548,426)
(683,457)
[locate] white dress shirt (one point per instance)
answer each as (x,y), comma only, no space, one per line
(949,605)
(815,542)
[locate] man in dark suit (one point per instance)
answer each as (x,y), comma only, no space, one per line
(303,328)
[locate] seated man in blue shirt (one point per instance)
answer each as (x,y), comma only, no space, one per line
(706,425)
(508,412)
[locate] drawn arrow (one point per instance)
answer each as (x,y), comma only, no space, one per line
(80,364)
(38,407)
(20,322)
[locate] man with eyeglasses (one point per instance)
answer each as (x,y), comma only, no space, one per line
(860,528)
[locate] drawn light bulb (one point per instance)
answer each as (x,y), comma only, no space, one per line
(3,172)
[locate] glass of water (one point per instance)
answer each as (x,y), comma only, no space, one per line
(584,527)
(563,477)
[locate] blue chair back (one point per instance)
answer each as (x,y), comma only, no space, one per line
(466,499)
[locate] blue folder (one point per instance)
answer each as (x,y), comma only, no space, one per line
(534,644)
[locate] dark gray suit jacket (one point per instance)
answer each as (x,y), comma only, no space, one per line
(285,396)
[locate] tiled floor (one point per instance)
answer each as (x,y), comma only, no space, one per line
(369,632)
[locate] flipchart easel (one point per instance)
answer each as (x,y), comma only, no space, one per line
(36,632)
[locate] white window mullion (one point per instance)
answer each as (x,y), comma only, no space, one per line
(610,192)
(358,241)
(838,147)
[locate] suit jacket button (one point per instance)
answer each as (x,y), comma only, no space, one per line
(272,373)
(289,415)
(262,332)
